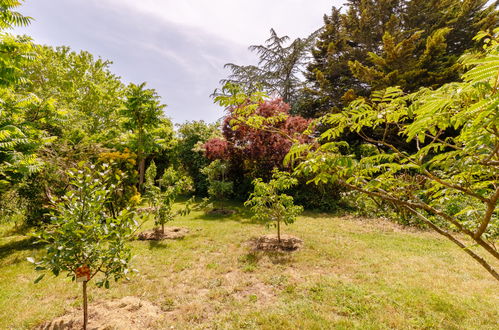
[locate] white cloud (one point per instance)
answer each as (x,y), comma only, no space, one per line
(178,47)
(241,21)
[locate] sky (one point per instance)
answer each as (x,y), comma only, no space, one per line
(179,47)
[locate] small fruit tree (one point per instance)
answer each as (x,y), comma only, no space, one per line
(162,197)
(270,204)
(83,239)
(219,188)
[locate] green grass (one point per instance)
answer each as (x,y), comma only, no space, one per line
(350,274)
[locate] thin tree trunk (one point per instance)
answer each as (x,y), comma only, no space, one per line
(163,228)
(142,165)
(279,231)
(85,306)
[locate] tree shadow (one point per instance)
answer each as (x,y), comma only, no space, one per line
(12,247)
(241,214)
(16,230)
(253,257)
(278,257)
(157,244)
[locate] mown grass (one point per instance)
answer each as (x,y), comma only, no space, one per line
(350,274)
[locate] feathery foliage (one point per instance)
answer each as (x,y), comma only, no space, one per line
(451,183)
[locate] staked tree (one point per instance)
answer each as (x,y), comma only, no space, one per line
(220,187)
(163,193)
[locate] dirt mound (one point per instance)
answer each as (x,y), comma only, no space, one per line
(271,243)
(224,212)
(157,235)
(126,313)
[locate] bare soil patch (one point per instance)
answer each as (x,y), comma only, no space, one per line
(126,313)
(219,211)
(271,243)
(157,235)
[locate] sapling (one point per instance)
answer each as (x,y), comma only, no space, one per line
(219,187)
(162,196)
(272,206)
(83,239)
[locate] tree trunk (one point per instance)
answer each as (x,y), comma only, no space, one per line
(163,228)
(279,232)
(85,306)
(142,166)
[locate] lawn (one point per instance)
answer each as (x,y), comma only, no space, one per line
(350,274)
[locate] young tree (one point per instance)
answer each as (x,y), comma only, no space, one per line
(219,187)
(163,196)
(83,239)
(143,112)
(450,183)
(272,206)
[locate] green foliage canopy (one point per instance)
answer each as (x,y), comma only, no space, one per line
(82,232)
(372,45)
(449,182)
(270,205)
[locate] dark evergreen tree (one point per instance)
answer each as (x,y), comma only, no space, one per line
(376,44)
(279,70)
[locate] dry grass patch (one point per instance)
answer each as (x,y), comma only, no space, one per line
(350,274)
(128,313)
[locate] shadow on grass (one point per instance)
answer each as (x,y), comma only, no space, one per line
(241,214)
(12,247)
(252,258)
(14,229)
(154,244)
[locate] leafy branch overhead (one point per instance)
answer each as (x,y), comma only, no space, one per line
(450,181)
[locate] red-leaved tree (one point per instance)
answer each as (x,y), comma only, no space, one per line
(254,153)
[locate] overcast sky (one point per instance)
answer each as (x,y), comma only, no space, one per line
(178,47)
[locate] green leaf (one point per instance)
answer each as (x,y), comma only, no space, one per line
(39,278)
